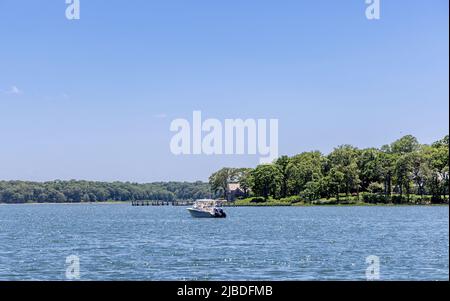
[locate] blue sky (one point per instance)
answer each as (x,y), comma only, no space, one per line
(93,98)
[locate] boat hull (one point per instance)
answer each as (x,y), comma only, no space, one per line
(203,214)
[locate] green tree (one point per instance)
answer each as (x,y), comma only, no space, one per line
(387,160)
(267,180)
(283,163)
(420,169)
(438,156)
(313,191)
(335,182)
(370,164)
(344,159)
(219,180)
(403,174)
(404,145)
(303,168)
(245,180)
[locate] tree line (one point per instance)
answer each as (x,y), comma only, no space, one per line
(89,191)
(402,171)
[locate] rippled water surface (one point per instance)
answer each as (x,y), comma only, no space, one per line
(116,242)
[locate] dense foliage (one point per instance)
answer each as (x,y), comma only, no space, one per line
(404,171)
(86,191)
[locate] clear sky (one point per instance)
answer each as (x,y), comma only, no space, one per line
(94,98)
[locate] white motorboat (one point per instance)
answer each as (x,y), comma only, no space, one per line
(207,209)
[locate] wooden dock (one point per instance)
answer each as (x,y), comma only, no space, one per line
(161,203)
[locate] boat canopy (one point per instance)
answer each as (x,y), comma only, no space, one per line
(208,203)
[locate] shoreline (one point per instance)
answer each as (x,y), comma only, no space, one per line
(243,205)
(344,205)
(71,203)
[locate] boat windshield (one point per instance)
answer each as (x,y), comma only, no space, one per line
(207,203)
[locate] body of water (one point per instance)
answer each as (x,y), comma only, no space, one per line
(121,242)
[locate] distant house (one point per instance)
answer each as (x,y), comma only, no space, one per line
(234,191)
